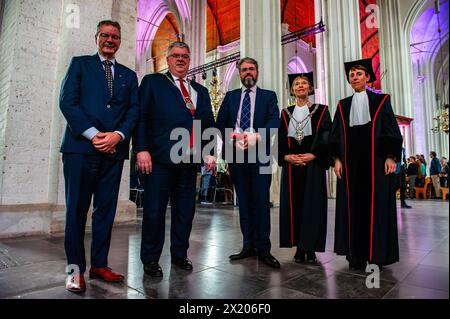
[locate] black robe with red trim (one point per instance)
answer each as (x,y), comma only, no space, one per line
(303,193)
(366,215)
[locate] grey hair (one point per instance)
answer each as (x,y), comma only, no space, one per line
(107,22)
(177,44)
(249,60)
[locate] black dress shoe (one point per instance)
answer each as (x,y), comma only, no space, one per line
(404,205)
(244,253)
(300,255)
(311,257)
(183,263)
(153,269)
(269,260)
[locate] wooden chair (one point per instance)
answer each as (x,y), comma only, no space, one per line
(221,187)
(426,193)
(444,191)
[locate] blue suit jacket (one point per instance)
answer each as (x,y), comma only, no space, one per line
(162,110)
(85,102)
(266,113)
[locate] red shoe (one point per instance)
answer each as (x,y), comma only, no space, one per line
(75,283)
(105,274)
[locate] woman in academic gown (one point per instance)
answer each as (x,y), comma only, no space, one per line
(365,135)
(303,154)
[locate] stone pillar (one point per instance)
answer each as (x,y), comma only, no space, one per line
(395,59)
(32,186)
(441,69)
(195,32)
(321,66)
(341,42)
(261,40)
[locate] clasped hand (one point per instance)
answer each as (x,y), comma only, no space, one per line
(244,140)
(106,142)
(300,159)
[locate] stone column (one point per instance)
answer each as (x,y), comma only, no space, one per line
(340,42)
(395,59)
(441,69)
(261,40)
(32,186)
(195,32)
(321,66)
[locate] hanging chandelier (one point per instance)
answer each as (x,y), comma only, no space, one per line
(442,120)
(215,93)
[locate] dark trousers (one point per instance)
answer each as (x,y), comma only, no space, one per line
(177,183)
(253,192)
(88,176)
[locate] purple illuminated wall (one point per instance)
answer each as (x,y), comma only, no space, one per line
(424,45)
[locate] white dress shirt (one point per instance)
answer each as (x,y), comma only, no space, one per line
(300,113)
(113,61)
(252,94)
(189,88)
(359,111)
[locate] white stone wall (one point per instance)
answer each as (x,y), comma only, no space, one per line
(29,105)
(8,36)
(38,40)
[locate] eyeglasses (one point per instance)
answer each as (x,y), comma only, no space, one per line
(180,56)
(106,36)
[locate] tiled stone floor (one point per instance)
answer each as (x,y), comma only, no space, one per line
(34,267)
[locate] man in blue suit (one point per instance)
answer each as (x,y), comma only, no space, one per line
(170,103)
(251,112)
(99,99)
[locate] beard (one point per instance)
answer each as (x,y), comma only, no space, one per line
(249,82)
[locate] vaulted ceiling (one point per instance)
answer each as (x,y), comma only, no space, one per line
(167,33)
(223,25)
(298,15)
(223,19)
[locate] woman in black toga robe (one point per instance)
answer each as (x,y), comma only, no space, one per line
(303,154)
(365,142)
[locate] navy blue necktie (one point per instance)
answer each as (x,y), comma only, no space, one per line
(245,112)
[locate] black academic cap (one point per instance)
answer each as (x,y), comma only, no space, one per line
(366,63)
(309,76)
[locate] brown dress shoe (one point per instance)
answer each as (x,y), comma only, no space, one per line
(75,283)
(105,274)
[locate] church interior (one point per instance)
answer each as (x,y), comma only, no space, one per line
(408,42)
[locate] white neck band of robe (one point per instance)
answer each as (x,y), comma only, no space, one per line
(359,111)
(299,114)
